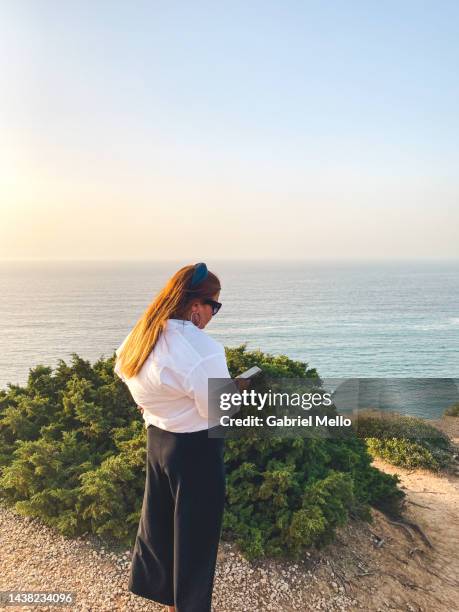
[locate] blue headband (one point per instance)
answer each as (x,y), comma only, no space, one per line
(199,274)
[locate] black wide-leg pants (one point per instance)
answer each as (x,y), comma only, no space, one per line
(175,551)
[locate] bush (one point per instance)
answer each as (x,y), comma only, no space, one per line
(452,410)
(72,452)
(405,441)
(284,495)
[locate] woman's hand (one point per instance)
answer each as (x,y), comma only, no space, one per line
(242,383)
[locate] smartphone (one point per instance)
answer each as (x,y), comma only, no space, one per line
(250,373)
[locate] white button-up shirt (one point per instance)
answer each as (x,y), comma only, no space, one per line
(172,384)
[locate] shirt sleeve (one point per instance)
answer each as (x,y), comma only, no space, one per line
(117,368)
(117,371)
(171,379)
(196,382)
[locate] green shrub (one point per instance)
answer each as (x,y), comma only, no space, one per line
(283,494)
(72,452)
(452,410)
(405,441)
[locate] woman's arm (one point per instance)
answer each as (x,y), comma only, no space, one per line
(241,383)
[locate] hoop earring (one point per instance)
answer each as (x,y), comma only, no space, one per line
(196,314)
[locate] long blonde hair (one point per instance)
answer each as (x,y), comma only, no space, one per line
(172,302)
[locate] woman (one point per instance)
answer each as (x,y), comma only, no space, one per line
(166,361)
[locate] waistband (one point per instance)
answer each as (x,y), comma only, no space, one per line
(202,433)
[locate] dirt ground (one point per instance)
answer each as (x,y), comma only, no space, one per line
(393,566)
(387,566)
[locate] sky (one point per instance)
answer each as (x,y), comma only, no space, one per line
(229,130)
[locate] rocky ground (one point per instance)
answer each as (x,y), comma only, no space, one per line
(373,567)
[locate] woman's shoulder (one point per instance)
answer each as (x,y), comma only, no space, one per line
(197,338)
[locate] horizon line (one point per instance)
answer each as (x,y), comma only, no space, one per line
(243,260)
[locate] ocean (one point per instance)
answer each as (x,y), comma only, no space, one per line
(346,319)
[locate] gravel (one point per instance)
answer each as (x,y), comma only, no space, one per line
(34,557)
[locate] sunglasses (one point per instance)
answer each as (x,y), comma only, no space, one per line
(215,306)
